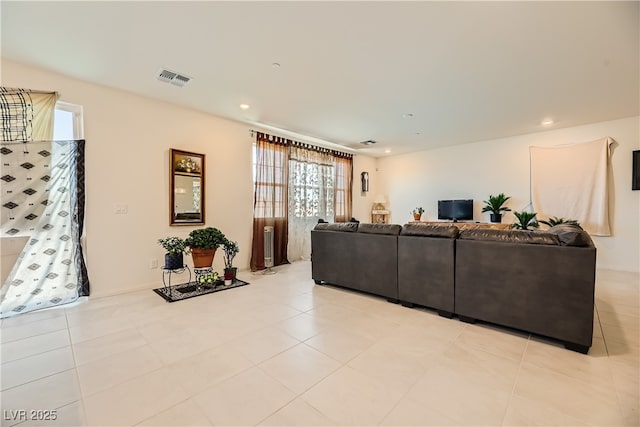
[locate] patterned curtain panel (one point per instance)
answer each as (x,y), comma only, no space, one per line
(343,188)
(27,115)
(42,187)
(270,199)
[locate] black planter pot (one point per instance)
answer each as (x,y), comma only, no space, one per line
(173,262)
(496,217)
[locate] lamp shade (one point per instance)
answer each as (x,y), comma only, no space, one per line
(380,199)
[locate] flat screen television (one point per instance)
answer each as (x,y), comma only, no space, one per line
(455,210)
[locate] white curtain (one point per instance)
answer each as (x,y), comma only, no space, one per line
(570,181)
(311,197)
(42,187)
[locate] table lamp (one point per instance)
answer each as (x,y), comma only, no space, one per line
(378,202)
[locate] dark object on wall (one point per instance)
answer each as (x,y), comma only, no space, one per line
(186,188)
(455,210)
(364,179)
(636,170)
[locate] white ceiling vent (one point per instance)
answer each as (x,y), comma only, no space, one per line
(359,145)
(172,77)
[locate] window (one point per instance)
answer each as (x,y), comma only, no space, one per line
(270,199)
(67,122)
(310,190)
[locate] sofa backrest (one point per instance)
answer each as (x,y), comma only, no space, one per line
(387,229)
(571,235)
(450,232)
(337,226)
(511,236)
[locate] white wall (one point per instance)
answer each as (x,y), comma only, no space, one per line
(363,202)
(128,140)
(473,171)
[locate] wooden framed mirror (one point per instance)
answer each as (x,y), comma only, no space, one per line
(186,188)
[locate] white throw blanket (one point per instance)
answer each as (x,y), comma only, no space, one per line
(570,181)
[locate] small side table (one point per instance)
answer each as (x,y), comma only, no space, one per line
(166,276)
(380,216)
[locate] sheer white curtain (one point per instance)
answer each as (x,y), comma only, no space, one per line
(311,197)
(42,189)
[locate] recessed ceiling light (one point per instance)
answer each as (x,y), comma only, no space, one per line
(407,115)
(387,151)
(547,122)
(275,65)
(245,106)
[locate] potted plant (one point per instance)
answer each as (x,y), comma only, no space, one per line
(175,247)
(526,220)
(417,213)
(207,280)
(202,243)
(495,205)
(555,221)
(231,249)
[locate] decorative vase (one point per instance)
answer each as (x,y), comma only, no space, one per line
(230,273)
(496,217)
(173,261)
(202,258)
(417,217)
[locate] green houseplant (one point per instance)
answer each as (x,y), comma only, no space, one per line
(526,220)
(417,213)
(202,243)
(175,248)
(208,280)
(231,249)
(554,220)
(495,205)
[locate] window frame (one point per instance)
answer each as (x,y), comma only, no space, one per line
(77,114)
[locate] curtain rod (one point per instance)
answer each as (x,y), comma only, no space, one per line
(7,89)
(252,132)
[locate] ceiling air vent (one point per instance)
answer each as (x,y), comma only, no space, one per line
(359,145)
(172,77)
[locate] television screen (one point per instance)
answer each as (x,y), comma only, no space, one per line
(636,170)
(455,210)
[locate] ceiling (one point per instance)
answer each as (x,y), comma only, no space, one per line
(409,75)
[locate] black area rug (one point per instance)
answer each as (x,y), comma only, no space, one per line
(189,290)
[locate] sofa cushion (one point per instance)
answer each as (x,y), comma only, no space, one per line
(337,226)
(390,229)
(511,236)
(571,235)
(450,232)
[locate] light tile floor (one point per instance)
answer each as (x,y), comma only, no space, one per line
(283,351)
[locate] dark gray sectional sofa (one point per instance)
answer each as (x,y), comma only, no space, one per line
(363,257)
(426,256)
(539,282)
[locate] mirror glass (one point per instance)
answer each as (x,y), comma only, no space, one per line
(186,192)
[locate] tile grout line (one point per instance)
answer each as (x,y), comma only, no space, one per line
(75,368)
(449,345)
(601,330)
(515,382)
(39,352)
(613,379)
